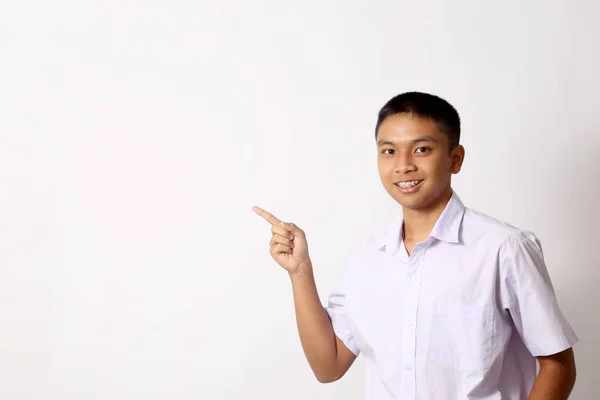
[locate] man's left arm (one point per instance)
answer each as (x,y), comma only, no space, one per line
(556,377)
(526,291)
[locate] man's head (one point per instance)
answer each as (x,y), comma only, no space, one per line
(418,148)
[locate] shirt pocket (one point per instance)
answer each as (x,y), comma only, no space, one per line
(461,336)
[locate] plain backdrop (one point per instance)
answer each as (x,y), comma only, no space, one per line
(135,136)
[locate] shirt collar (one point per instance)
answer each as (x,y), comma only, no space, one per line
(445,229)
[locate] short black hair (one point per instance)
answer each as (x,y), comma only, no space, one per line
(424,105)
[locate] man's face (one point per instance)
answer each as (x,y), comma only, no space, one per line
(415,162)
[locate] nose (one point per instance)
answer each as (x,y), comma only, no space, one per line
(404,164)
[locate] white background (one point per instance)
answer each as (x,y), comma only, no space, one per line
(135,136)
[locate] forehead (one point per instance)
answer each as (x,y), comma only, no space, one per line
(407,127)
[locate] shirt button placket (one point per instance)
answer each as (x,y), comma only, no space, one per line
(408,389)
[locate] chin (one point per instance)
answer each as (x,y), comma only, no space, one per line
(412,204)
(420,200)
(414,201)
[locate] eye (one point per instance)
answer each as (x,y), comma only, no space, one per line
(422,149)
(388,152)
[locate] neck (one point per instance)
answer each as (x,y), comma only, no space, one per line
(418,223)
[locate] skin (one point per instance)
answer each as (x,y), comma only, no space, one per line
(409,148)
(556,378)
(327,355)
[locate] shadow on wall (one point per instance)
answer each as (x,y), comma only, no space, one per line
(577,220)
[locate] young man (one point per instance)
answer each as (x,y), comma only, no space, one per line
(445,303)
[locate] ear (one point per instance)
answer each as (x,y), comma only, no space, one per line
(457,156)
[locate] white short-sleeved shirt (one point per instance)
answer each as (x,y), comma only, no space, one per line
(462,317)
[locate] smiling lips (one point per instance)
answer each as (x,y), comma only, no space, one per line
(408,186)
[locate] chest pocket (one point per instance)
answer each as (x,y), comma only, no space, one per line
(461,336)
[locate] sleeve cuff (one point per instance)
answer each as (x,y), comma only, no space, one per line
(342,331)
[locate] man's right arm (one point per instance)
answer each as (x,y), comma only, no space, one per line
(327,355)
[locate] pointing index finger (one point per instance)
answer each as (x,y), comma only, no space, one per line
(270,218)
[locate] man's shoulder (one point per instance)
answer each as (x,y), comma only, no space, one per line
(477,225)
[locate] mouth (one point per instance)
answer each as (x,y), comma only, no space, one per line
(408,186)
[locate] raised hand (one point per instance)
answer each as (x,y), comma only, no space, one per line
(288,243)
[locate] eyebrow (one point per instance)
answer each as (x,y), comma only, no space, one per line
(417,140)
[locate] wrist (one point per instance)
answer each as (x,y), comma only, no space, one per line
(303,271)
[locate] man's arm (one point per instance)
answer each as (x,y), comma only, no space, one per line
(526,291)
(556,377)
(327,355)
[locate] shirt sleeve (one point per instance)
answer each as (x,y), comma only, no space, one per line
(526,291)
(337,311)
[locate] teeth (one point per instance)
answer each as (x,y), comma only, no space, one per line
(407,184)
